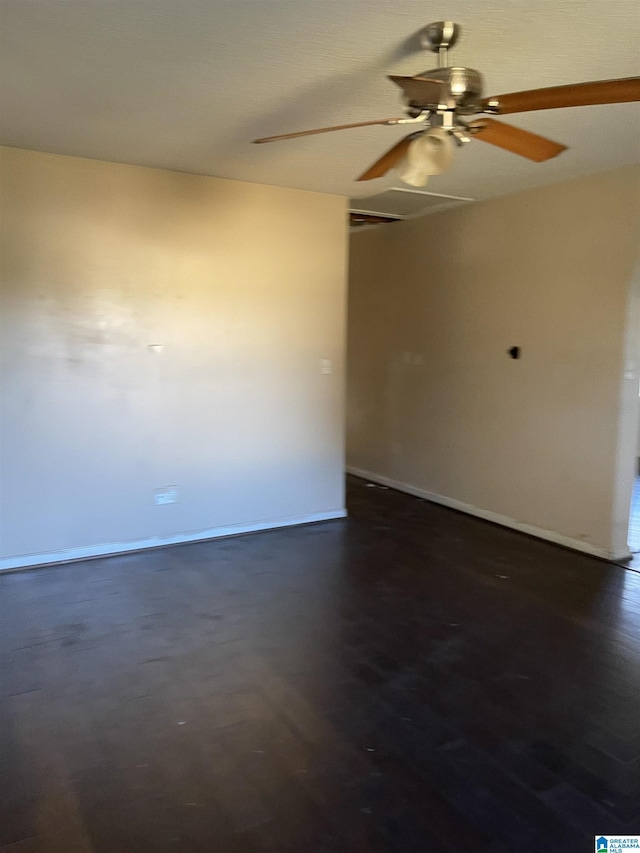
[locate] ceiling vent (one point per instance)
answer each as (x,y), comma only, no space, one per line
(400,203)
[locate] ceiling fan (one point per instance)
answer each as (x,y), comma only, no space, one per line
(443,101)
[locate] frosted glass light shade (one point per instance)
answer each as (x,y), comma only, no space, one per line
(429,154)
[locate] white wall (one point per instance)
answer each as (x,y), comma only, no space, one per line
(242,285)
(434,402)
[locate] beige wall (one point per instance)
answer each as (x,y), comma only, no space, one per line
(161,329)
(434,401)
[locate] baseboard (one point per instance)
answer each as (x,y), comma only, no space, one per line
(27,561)
(494,517)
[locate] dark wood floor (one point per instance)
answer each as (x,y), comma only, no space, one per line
(409,679)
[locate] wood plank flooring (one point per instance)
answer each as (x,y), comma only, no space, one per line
(409,679)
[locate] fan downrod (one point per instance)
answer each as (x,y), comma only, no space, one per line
(440,37)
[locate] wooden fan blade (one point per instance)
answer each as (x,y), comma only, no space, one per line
(576,95)
(420,91)
(518,141)
(326,130)
(388,160)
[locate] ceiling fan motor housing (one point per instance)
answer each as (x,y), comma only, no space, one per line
(465,88)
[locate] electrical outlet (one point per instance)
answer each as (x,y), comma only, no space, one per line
(166,495)
(326,365)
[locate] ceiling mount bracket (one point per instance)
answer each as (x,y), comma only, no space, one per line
(422,115)
(440,37)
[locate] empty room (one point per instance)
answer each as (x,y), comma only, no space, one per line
(319,405)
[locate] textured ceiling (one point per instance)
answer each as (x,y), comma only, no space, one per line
(187,84)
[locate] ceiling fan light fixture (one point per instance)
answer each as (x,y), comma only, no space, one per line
(446,94)
(430,154)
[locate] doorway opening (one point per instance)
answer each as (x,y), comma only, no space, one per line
(626,503)
(633,538)
(634,525)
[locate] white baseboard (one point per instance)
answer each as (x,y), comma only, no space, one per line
(496,518)
(68,555)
